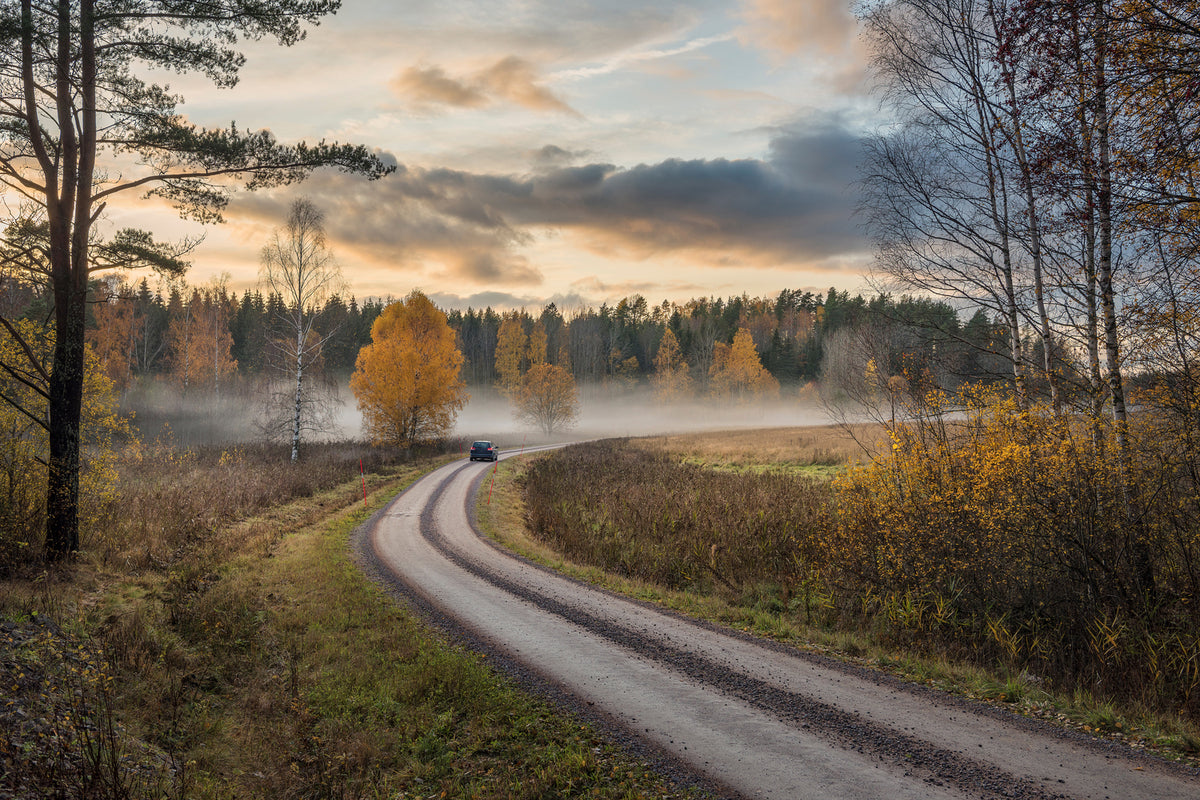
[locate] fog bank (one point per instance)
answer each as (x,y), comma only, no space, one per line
(197,421)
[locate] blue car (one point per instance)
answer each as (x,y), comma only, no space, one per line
(484,451)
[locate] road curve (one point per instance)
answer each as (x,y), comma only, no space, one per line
(753,719)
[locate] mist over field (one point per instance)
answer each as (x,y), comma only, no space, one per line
(231,419)
(634,412)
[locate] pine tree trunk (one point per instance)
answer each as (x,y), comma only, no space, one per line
(69,205)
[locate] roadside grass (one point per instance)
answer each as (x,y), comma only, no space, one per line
(791,617)
(252,658)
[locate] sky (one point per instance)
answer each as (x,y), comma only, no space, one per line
(566,151)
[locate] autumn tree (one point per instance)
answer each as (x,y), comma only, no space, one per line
(537,344)
(512,352)
(79,128)
(298,266)
(547,397)
(407,381)
(671,380)
(118,326)
(25,435)
(738,373)
(181,340)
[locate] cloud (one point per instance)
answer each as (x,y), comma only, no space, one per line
(826,28)
(516,80)
(790,26)
(797,205)
(628,58)
(793,208)
(505,301)
(551,156)
(511,79)
(428,86)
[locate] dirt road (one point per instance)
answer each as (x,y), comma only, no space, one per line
(753,719)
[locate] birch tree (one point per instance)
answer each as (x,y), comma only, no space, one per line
(298,266)
(408,381)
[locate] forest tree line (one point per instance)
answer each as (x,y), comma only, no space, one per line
(207,340)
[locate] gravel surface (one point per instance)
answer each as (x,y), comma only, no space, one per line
(857,730)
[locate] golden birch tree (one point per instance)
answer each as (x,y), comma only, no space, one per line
(407,381)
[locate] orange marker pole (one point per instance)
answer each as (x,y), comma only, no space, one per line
(495,467)
(363,475)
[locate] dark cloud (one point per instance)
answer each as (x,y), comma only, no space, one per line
(552,156)
(794,207)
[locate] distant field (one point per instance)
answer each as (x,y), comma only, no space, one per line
(821,447)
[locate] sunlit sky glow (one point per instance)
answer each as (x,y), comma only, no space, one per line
(569,150)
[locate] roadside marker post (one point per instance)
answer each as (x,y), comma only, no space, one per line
(363,475)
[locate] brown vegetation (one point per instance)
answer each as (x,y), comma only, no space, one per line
(624,507)
(989,537)
(214,640)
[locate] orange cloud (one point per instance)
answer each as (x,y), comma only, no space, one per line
(509,80)
(425,86)
(826,27)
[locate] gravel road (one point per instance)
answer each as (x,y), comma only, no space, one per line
(743,717)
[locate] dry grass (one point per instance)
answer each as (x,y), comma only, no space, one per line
(774,448)
(250,658)
(643,514)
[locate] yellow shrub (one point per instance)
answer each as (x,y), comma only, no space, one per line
(1012,525)
(24,447)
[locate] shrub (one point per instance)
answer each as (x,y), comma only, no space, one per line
(642,514)
(1020,533)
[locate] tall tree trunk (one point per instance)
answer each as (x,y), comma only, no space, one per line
(1091,279)
(998,207)
(1139,549)
(1025,170)
(68,206)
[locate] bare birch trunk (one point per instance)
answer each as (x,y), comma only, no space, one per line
(1139,550)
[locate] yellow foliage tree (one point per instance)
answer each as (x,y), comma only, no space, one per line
(512,346)
(116,334)
(407,380)
(671,380)
(537,344)
(25,441)
(737,371)
(547,397)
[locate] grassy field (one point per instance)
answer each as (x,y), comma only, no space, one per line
(650,548)
(232,650)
